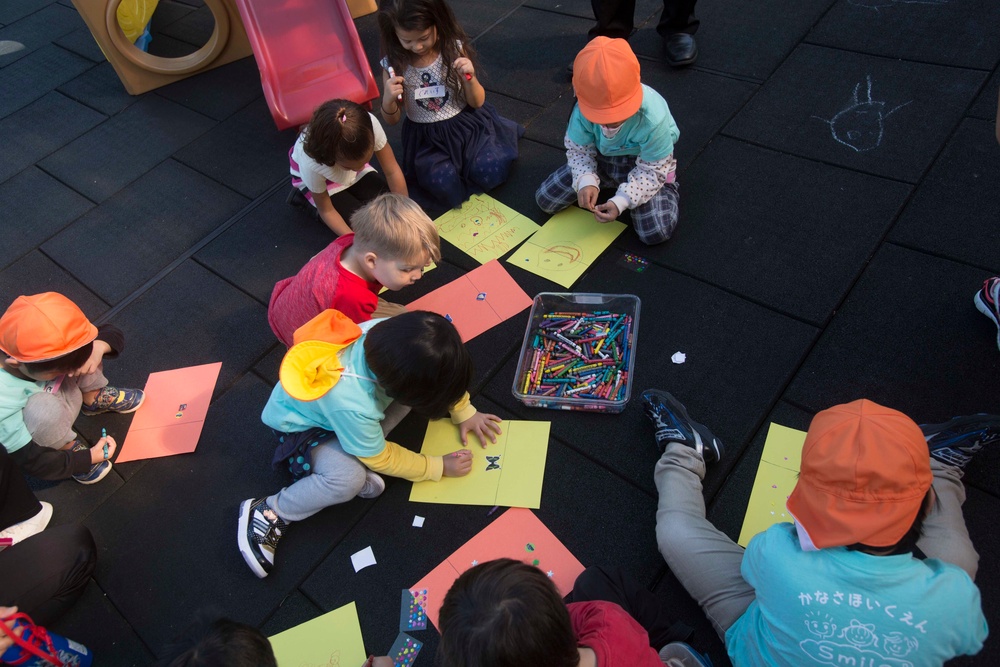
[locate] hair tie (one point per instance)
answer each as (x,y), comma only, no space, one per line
(343,118)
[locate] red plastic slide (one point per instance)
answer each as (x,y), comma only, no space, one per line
(308,52)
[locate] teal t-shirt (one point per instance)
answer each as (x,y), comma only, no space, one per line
(840,607)
(650,133)
(353,409)
(14,395)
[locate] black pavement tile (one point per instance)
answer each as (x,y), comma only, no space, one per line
(40,128)
(986,106)
(109,157)
(535,162)
(95,622)
(34,75)
(960,34)
(82,43)
(748,39)
(295,610)
(909,337)
(74,502)
(267,367)
(35,273)
(171,196)
(246,151)
(776,249)
(38,29)
(195,28)
(515,66)
(405,554)
(220,92)
(477,16)
(24,197)
(191,317)
(167,13)
(954,190)
(168,47)
(187,558)
(644,10)
(269,244)
(549,127)
(101,89)
(739,358)
(863,113)
(673,598)
(15,10)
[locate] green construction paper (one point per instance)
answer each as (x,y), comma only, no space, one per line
(484,228)
(777,474)
(566,245)
(522,448)
(331,639)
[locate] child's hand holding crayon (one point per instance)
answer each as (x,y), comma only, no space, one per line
(103,450)
(458,463)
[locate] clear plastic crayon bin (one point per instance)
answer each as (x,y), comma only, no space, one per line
(578,352)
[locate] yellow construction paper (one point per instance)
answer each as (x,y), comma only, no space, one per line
(522,448)
(776,477)
(566,245)
(484,228)
(331,639)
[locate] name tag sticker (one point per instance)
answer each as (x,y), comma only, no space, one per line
(428,91)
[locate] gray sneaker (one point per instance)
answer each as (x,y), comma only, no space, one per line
(374,485)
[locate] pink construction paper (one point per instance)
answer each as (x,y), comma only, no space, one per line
(470,315)
(171,418)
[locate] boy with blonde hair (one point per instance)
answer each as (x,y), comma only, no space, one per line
(393,241)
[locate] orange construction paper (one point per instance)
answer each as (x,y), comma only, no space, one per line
(170,419)
(458,300)
(517,534)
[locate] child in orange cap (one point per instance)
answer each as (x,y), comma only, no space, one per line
(620,135)
(52,372)
(877,568)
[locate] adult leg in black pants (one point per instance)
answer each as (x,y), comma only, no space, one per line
(44,574)
(616,18)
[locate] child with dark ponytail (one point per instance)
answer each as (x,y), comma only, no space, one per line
(330,163)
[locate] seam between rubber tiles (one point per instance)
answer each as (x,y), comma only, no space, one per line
(805,40)
(124,618)
(942,256)
(190,252)
(502,18)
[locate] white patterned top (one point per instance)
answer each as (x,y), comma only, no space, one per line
(428,97)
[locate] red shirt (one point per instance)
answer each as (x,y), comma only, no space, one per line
(321,284)
(616,638)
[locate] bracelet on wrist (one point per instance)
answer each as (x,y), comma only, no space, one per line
(390,113)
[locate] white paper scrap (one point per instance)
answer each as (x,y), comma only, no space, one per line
(418,521)
(363,559)
(678,358)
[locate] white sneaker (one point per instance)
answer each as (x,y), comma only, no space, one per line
(374,485)
(36,524)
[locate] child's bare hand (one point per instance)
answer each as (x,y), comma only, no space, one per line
(458,463)
(378,661)
(464,67)
(393,92)
(94,361)
(97,451)
(606,212)
(586,198)
(484,425)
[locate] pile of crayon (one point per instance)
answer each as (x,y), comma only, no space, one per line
(579,355)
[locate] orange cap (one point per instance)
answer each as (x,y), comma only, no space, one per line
(606,80)
(43,327)
(865,472)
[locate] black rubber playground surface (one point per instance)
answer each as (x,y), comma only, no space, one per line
(840,184)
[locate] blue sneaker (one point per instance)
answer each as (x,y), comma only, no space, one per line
(97,472)
(956,441)
(672,424)
(679,654)
(113,399)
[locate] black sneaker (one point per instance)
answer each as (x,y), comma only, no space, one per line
(296,198)
(956,441)
(672,424)
(259,531)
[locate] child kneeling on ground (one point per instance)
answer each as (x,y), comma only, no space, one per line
(338,382)
(52,372)
(393,241)
(620,135)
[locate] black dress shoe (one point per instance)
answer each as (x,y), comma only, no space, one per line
(681,49)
